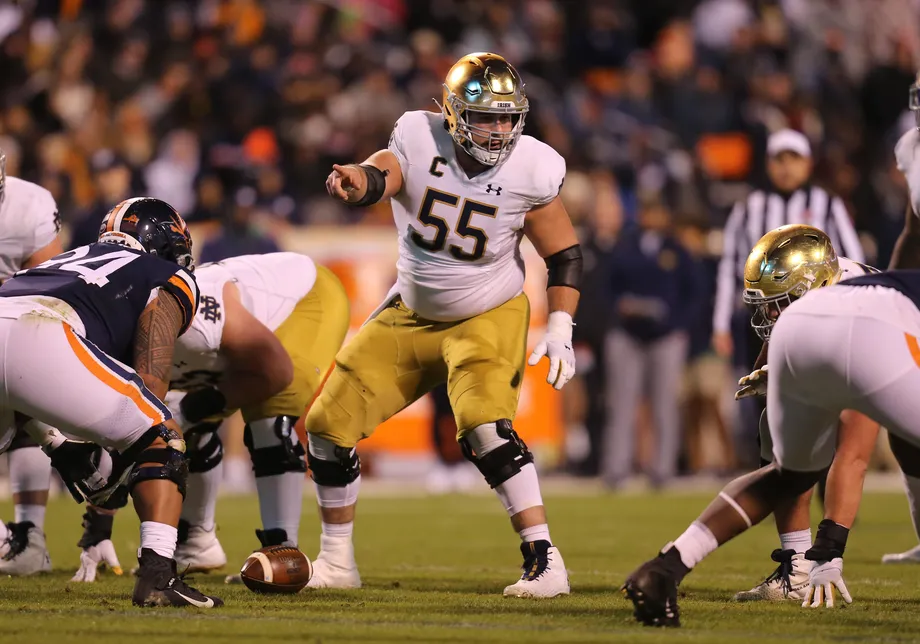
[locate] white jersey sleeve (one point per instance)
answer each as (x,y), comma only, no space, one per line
(397,144)
(547,168)
(29,221)
(196,359)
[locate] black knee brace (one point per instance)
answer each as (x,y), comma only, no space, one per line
(285,456)
(502,463)
(345,469)
(204,448)
(126,473)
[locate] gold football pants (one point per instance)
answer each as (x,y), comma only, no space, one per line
(311,334)
(398,356)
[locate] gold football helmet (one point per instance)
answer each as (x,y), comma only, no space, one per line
(915,99)
(785,264)
(484,82)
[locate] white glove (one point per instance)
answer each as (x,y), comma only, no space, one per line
(824,576)
(557,346)
(102,554)
(907,153)
(753,384)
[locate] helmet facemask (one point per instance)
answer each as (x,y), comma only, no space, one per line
(766,310)
(497,146)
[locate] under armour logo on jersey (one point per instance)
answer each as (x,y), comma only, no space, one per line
(498,190)
(210,309)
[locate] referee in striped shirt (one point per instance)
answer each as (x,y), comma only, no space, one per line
(790,199)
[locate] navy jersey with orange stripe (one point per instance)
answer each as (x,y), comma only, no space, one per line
(108,286)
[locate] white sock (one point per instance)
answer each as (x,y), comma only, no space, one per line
(695,544)
(535,533)
(912,487)
(800,541)
(521,491)
(30,470)
(339,530)
(201,497)
(4,532)
(280,502)
(159,537)
(33,513)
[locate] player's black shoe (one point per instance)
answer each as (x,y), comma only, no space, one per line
(652,588)
(158,584)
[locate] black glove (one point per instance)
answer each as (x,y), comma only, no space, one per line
(77,463)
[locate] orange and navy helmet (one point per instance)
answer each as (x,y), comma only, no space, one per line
(149,225)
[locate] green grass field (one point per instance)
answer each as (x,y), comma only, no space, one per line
(434,569)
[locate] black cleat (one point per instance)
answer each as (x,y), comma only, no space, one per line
(158,584)
(652,588)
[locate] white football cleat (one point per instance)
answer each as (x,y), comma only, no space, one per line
(544,572)
(911,556)
(200,551)
(788,581)
(25,552)
(334,566)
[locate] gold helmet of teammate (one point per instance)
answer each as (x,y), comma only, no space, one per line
(915,99)
(784,265)
(487,84)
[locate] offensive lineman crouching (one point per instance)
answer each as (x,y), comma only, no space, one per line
(262,341)
(466,186)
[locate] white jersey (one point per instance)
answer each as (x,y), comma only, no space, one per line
(459,238)
(28,222)
(270,287)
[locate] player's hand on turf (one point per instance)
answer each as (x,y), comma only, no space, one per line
(753,384)
(824,577)
(346,182)
(557,347)
(102,554)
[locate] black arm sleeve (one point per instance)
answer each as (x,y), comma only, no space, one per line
(565,267)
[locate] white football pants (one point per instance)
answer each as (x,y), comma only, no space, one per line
(837,348)
(50,373)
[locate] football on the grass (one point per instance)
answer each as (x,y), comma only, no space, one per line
(276,569)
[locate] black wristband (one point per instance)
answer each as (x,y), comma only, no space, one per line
(97,527)
(202,403)
(376,185)
(830,542)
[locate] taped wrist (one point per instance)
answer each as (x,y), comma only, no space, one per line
(376,185)
(202,403)
(565,267)
(97,527)
(830,542)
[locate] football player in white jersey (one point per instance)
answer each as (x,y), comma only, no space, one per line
(779,254)
(780,273)
(29,227)
(465,187)
(263,340)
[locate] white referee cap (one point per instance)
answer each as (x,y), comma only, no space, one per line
(788,141)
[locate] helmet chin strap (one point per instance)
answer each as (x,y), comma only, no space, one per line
(121,239)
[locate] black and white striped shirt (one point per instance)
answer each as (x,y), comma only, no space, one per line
(760,213)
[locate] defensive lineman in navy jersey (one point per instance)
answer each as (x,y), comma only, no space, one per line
(69,328)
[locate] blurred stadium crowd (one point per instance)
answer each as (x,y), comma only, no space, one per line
(234,110)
